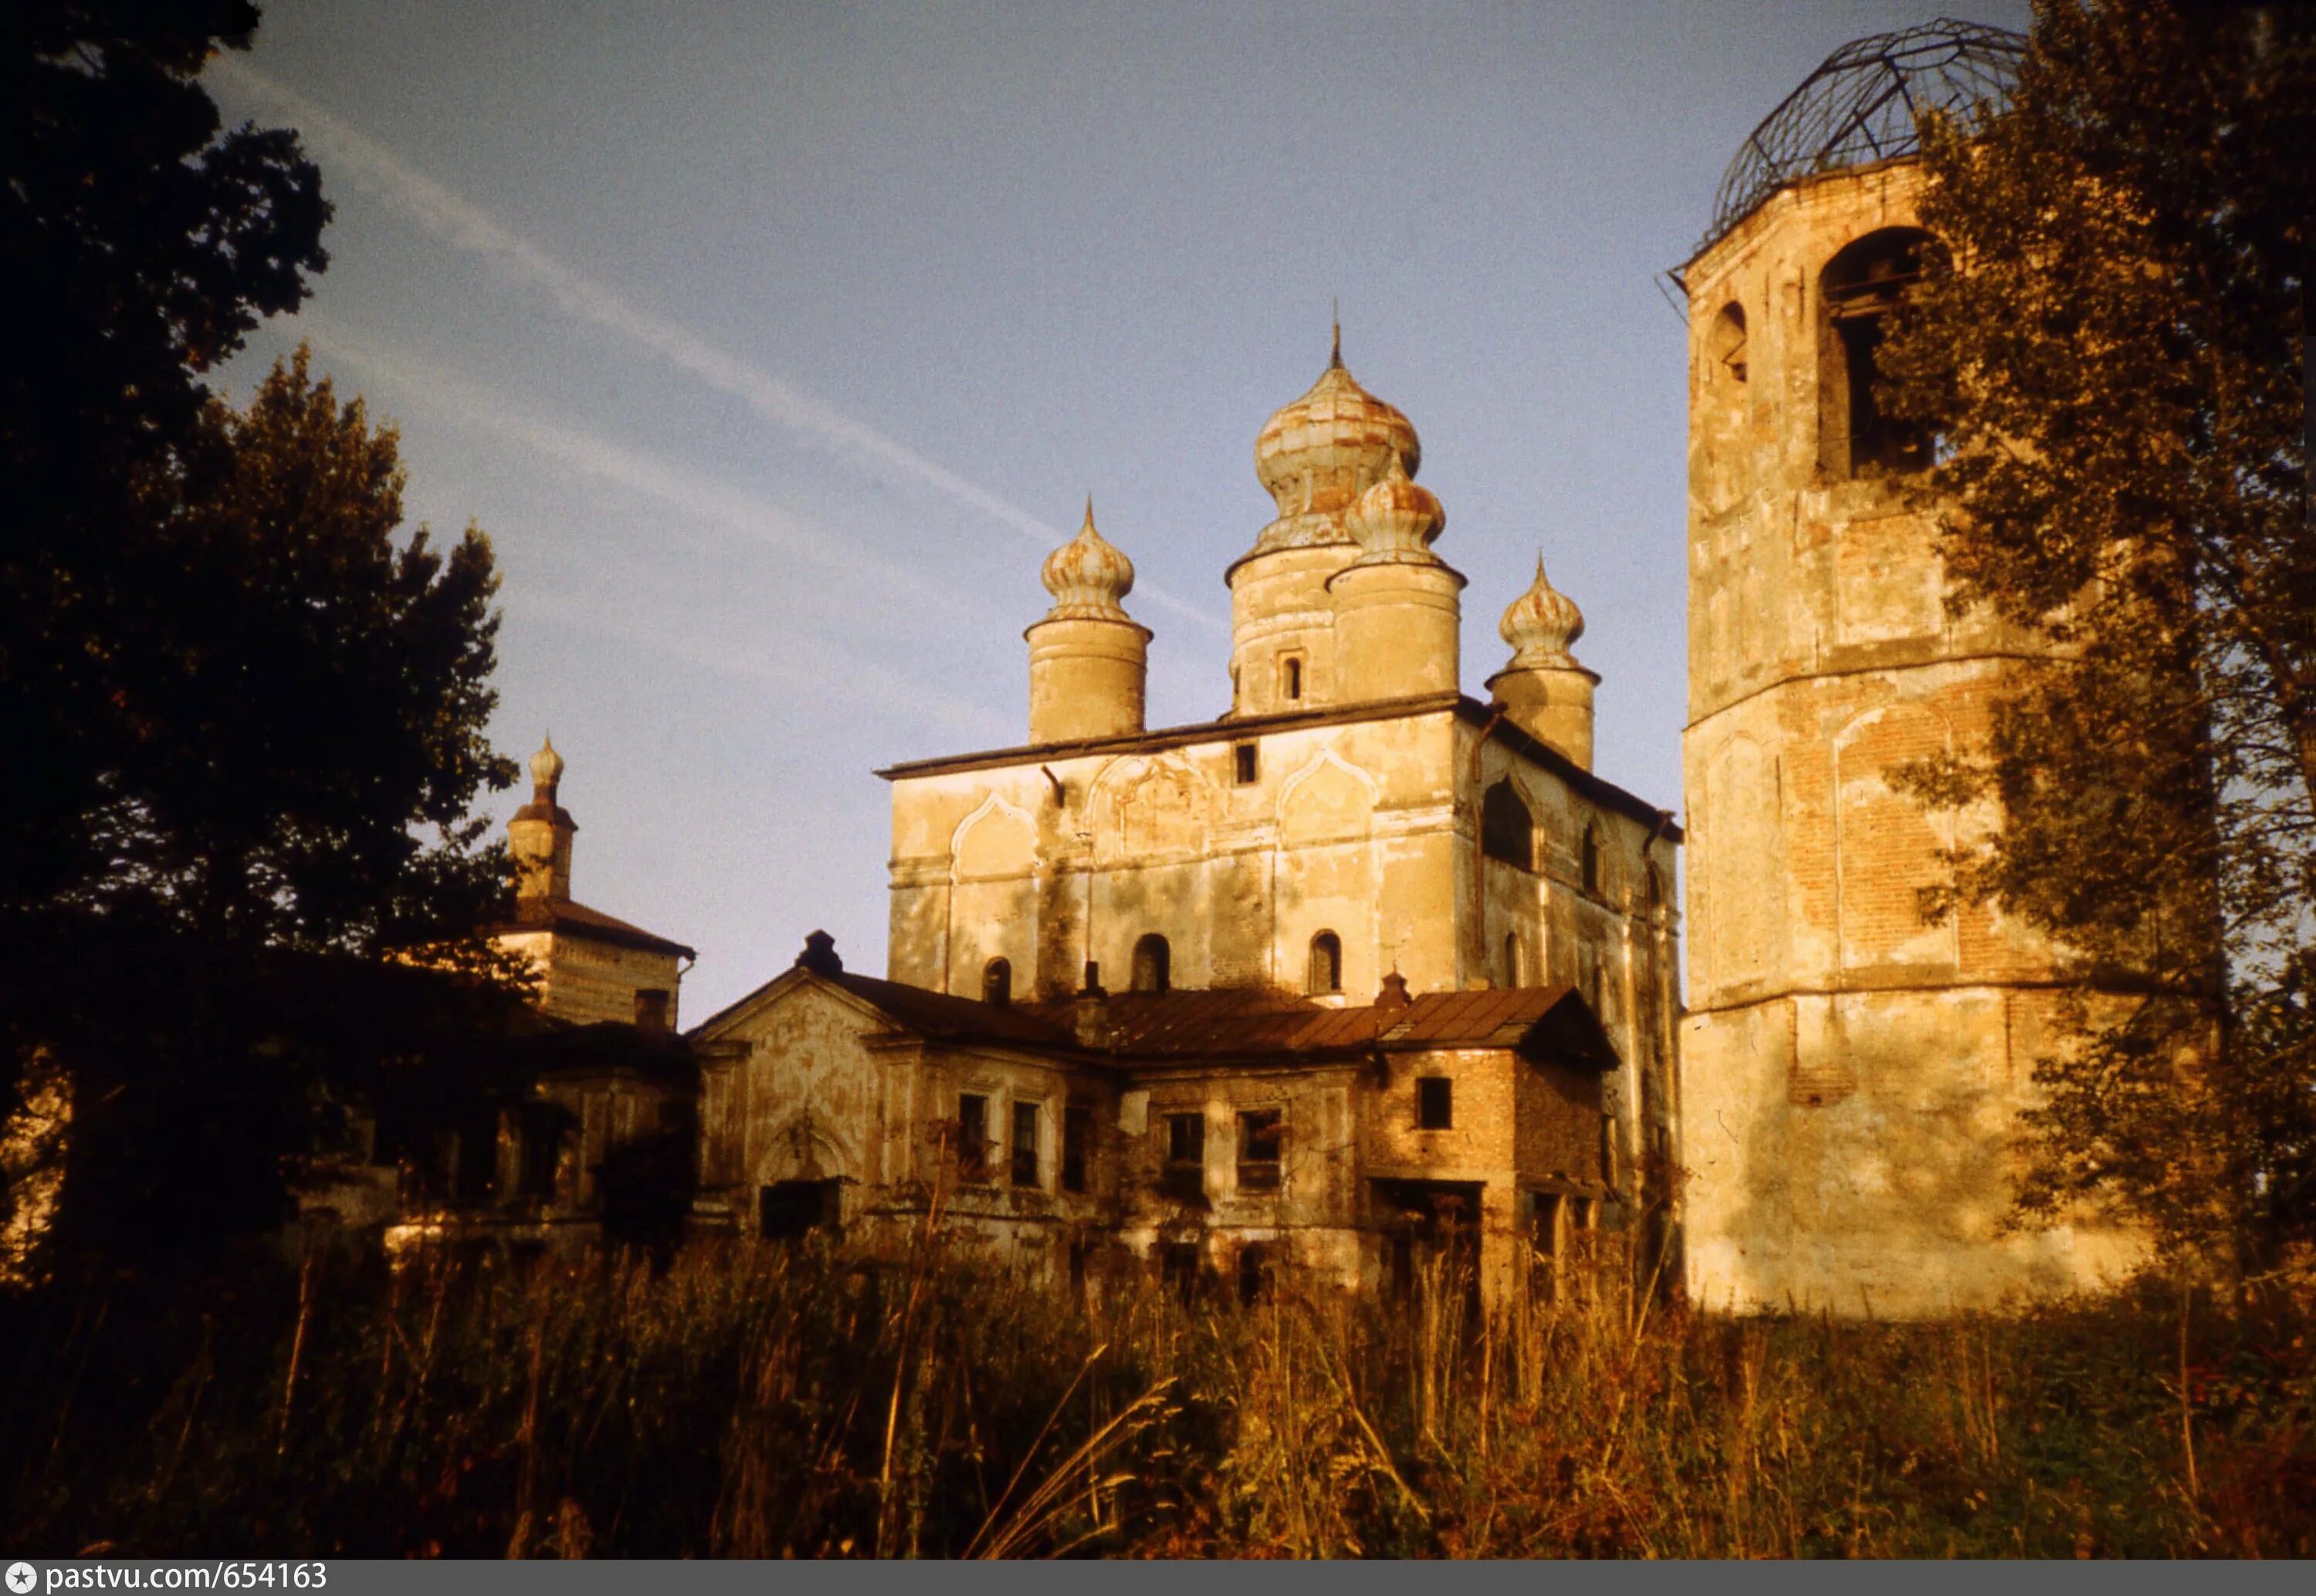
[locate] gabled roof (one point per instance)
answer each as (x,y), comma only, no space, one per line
(566,918)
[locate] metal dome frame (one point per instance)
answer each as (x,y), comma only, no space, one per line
(1862,106)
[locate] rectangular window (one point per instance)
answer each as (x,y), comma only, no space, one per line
(1025,1144)
(1244,766)
(1077,1134)
(1435,1103)
(1290,678)
(1186,1139)
(972,1137)
(1260,1133)
(1179,1264)
(1185,1179)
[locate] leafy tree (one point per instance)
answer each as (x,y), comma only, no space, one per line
(2112,347)
(243,710)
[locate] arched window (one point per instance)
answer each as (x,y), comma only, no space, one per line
(1590,860)
(1326,963)
(1290,678)
(1507,829)
(1724,347)
(997,982)
(1859,288)
(1152,962)
(1515,965)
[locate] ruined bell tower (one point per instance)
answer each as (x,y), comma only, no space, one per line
(1851,1074)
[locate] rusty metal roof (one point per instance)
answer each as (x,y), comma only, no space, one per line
(566,918)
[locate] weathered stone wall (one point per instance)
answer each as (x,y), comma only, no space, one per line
(1850,1074)
(587,981)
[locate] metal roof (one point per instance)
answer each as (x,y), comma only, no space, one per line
(1863,104)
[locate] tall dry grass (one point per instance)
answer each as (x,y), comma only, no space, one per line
(815,1401)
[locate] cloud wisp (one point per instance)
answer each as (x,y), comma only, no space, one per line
(459,222)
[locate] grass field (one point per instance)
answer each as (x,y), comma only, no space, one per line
(769,1402)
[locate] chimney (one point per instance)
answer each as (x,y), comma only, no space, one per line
(1394,992)
(1093,1010)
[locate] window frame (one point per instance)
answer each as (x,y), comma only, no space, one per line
(1261,1131)
(974,1162)
(1435,1103)
(1323,975)
(1022,1161)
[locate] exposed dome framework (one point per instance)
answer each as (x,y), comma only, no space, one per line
(1864,105)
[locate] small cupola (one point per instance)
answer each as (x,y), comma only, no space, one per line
(1543,691)
(1089,660)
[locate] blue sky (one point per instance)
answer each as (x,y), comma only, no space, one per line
(774,345)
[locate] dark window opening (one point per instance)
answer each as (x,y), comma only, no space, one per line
(541,1153)
(1260,1133)
(1507,829)
(1403,1267)
(1185,1156)
(475,1171)
(1077,1135)
(1725,345)
(1435,1103)
(997,982)
(1243,765)
(1326,972)
(1153,965)
(789,1209)
(1590,861)
(1179,1262)
(1512,964)
(1254,1273)
(1025,1144)
(972,1137)
(651,1009)
(1859,290)
(1290,678)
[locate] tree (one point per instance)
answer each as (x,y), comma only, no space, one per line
(2110,345)
(242,709)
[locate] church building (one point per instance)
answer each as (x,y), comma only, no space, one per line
(1364,966)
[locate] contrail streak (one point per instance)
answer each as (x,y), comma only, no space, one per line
(461,222)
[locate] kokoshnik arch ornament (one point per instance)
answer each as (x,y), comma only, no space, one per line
(1864,104)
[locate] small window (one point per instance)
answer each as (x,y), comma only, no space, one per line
(1025,1144)
(1185,1177)
(1153,965)
(651,1009)
(1507,829)
(1260,1132)
(1178,1268)
(1590,861)
(1290,678)
(1435,1103)
(1725,345)
(1655,891)
(1326,972)
(972,1137)
(1077,1136)
(1514,966)
(1243,765)
(997,982)
(1254,1273)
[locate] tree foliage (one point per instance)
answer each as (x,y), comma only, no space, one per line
(243,709)
(2111,345)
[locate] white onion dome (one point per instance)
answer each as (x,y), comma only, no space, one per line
(546,766)
(1396,521)
(1542,624)
(1321,452)
(1088,576)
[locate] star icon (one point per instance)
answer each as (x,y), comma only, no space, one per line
(21,1578)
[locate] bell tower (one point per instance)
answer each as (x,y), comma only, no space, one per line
(1851,1073)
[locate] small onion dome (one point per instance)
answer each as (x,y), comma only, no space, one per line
(1322,451)
(546,766)
(1541,626)
(1396,519)
(1088,576)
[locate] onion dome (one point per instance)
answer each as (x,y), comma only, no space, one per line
(1396,519)
(1541,626)
(546,770)
(1088,576)
(1322,451)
